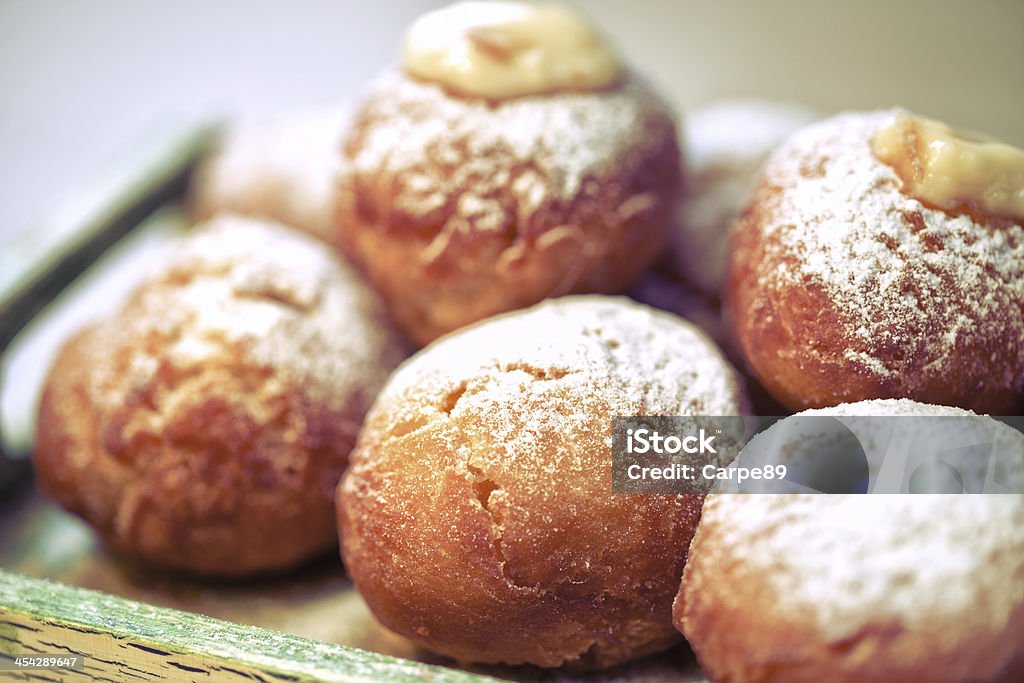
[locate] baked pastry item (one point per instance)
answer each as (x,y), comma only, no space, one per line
(726,144)
(283,169)
(205,427)
(845,286)
(459,206)
(478,518)
(804,587)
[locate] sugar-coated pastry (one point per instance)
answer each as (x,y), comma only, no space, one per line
(726,144)
(284,169)
(849,588)
(205,426)
(478,518)
(485,176)
(882,256)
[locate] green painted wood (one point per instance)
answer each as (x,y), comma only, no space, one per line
(126,640)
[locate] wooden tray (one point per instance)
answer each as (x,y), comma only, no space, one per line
(60,593)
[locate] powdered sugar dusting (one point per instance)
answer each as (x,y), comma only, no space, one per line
(901,407)
(851,561)
(605,354)
(915,287)
(542,147)
(282,297)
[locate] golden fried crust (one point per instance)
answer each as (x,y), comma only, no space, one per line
(459,209)
(216,489)
(792,336)
(505,563)
(478,518)
(191,445)
(746,629)
(843,289)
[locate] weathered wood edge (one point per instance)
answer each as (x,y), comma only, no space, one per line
(126,640)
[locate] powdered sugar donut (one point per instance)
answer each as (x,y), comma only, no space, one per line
(514,157)
(726,144)
(459,208)
(204,427)
(478,517)
(851,588)
(844,287)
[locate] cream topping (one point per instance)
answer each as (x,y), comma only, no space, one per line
(501,50)
(952,170)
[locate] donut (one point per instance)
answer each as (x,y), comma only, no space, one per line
(845,285)
(205,427)
(477,517)
(844,588)
(283,169)
(458,206)
(726,143)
